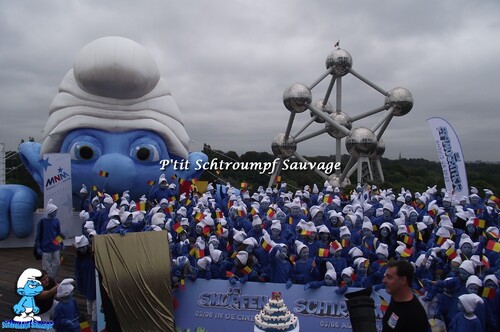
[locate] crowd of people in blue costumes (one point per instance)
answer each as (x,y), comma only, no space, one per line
(318,237)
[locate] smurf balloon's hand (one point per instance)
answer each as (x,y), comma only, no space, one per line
(17,204)
(196,162)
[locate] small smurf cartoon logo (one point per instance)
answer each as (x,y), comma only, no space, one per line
(26,309)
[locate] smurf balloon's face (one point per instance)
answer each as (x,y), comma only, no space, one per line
(130,158)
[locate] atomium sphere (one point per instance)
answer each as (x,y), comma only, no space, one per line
(379,151)
(361,142)
(327,108)
(341,61)
(297,97)
(342,119)
(401,100)
(283,148)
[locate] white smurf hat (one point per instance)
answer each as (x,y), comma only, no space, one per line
(50,207)
(330,271)
(81,241)
(65,288)
(242,256)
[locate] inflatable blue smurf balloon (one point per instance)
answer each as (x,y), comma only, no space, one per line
(113,114)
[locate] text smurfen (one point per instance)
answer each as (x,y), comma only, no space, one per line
(260,166)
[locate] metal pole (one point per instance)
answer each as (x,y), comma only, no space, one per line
(311,120)
(276,172)
(385,118)
(364,115)
(373,85)
(384,127)
(329,91)
(289,126)
(311,135)
(350,163)
(338,153)
(328,119)
(338,101)
(328,72)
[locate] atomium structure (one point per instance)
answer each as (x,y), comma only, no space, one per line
(364,145)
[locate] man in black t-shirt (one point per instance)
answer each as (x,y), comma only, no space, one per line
(45,300)
(405,313)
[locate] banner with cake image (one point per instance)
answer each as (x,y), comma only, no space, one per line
(217,306)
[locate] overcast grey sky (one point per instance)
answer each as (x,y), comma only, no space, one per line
(227,63)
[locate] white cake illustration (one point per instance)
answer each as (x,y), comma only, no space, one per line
(275,317)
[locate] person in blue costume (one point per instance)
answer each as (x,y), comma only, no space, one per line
(369,242)
(203,269)
(310,239)
(466,320)
(48,240)
(452,288)
(127,226)
(101,218)
(363,272)
(86,203)
(242,270)
(295,214)
(379,266)
(256,231)
(333,222)
(305,269)
(316,216)
(473,286)
(385,235)
(217,268)
(329,280)
(276,232)
(85,277)
(387,215)
(349,221)
(479,208)
(348,277)
(281,269)
(66,317)
(471,230)
(492,303)
(116,117)
(339,263)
